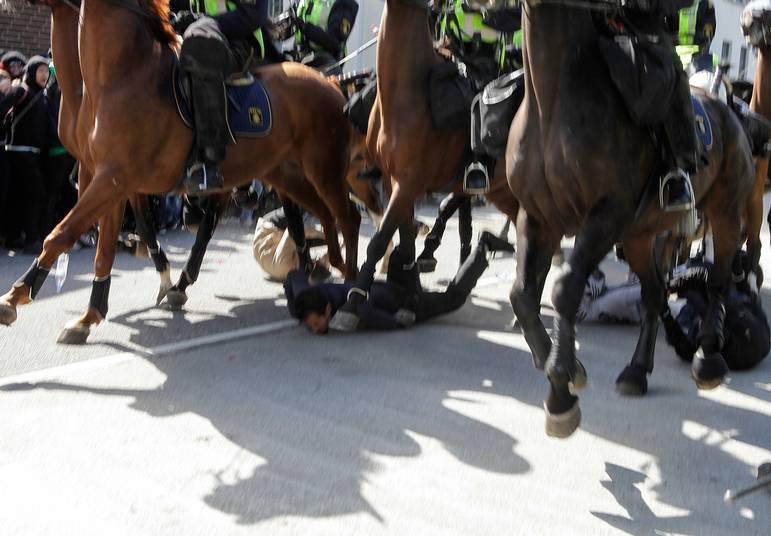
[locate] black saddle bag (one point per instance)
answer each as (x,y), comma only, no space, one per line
(492,112)
(450,97)
(646,81)
(358,108)
(756,127)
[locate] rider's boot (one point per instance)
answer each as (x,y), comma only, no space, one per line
(206,56)
(676,192)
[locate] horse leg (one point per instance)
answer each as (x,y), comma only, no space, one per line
(146,231)
(709,368)
(642,260)
(535,248)
(296,228)
(213,206)
(465,228)
(77,331)
(448,206)
(565,374)
(91,202)
(405,315)
(350,227)
(400,207)
(754,214)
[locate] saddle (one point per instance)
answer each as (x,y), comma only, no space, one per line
(249,109)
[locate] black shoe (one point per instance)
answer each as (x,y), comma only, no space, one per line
(495,243)
(675,193)
(370,174)
(203,176)
(476,180)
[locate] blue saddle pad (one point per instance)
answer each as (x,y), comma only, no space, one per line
(703,125)
(249,109)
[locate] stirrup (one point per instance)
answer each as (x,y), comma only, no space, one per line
(471,168)
(675,175)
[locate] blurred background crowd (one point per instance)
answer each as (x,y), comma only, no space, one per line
(38,178)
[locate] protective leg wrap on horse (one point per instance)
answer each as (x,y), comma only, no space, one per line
(100,292)
(709,368)
(33,278)
(562,369)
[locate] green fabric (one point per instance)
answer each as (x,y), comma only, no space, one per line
(216,7)
(57,151)
(687,29)
(463,26)
(318,15)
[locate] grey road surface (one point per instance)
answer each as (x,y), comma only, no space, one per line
(229,418)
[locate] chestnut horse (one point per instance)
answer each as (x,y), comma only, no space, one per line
(578,165)
(414,156)
(128,157)
(759,13)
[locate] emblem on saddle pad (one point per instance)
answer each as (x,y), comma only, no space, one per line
(255,116)
(703,125)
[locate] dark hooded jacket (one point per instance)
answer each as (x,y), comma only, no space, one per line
(24,110)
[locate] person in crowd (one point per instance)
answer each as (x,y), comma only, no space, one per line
(27,127)
(13,62)
(58,164)
(5,88)
(323,27)
(314,305)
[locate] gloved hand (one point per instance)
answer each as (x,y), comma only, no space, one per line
(182,20)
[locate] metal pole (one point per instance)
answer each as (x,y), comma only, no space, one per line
(353,54)
(733,496)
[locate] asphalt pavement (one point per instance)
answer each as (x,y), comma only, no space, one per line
(230,418)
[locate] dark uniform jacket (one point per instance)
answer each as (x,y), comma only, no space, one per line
(342,16)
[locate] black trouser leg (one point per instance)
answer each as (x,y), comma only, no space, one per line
(431,304)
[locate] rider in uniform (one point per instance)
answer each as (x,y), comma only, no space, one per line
(695,30)
(654,20)
(323,27)
(211,28)
(489,42)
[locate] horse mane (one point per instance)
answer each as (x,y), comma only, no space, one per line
(158,20)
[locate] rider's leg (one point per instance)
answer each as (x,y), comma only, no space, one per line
(206,56)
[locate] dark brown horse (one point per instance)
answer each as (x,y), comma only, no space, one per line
(414,155)
(126,157)
(578,165)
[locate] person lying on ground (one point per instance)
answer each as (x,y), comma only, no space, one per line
(315,305)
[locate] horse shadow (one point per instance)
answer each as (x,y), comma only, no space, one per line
(346,411)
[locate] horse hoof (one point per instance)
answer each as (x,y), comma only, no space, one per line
(176,299)
(141,251)
(344,321)
(74,335)
(578,383)
(426,266)
(633,381)
(708,371)
(563,425)
(7,314)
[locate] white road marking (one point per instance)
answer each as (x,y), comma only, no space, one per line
(115,359)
